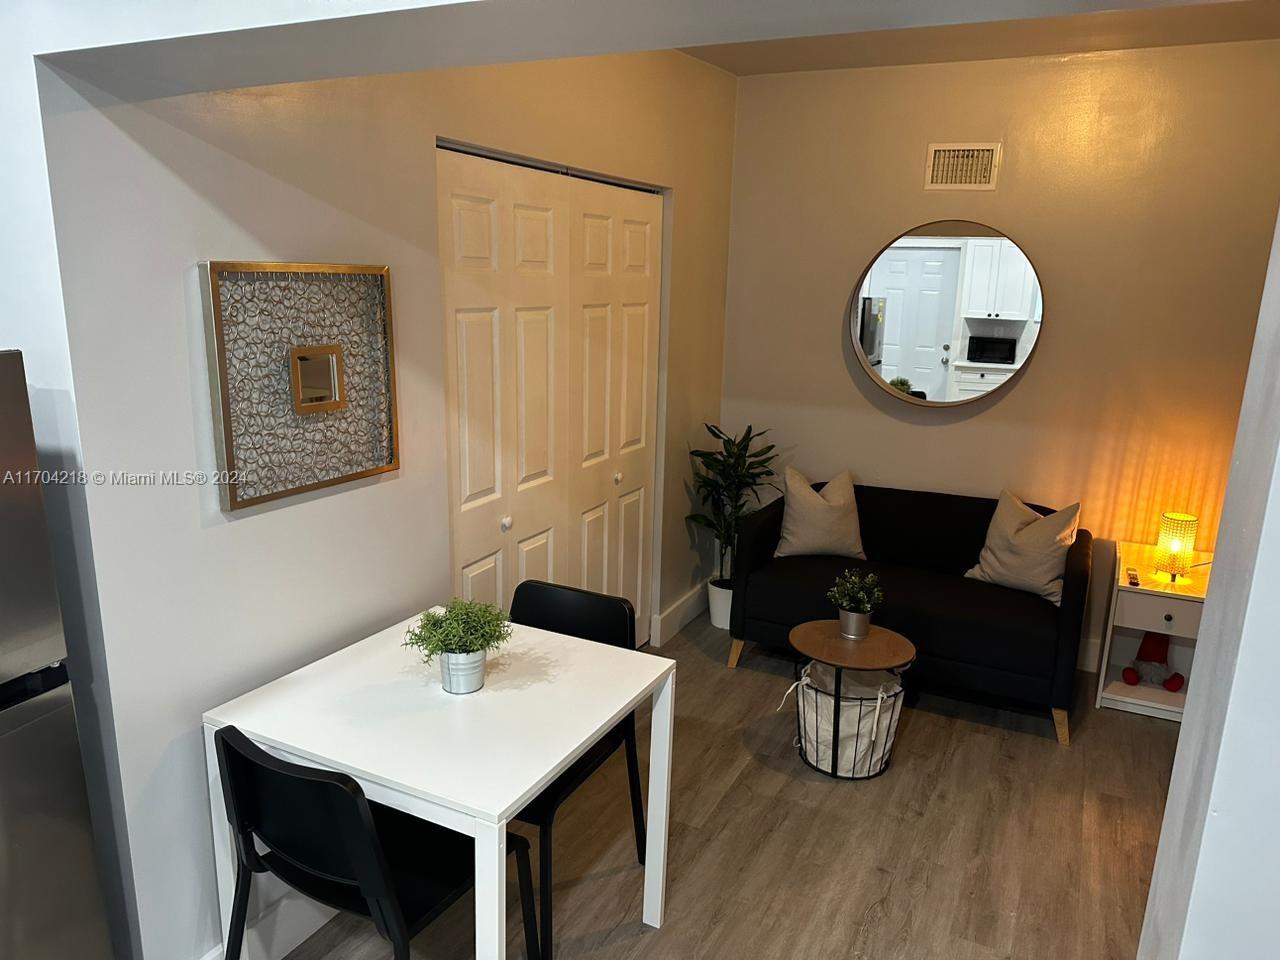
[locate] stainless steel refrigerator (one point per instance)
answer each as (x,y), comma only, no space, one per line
(50,900)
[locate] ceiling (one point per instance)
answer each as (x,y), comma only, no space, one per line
(1044,36)
(394,36)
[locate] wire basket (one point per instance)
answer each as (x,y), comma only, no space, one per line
(862,721)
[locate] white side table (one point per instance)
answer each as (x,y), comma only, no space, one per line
(1158,605)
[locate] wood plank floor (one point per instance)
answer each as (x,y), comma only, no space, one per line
(984,840)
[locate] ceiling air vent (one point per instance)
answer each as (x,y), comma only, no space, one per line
(962,166)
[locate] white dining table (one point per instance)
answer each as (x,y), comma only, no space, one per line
(374,711)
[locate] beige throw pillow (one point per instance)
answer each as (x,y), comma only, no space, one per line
(1025,550)
(819,522)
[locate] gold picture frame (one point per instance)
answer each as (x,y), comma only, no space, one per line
(260,317)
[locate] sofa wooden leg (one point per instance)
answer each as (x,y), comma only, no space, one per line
(735,652)
(1060,725)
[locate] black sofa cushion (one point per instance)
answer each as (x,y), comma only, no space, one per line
(946,616)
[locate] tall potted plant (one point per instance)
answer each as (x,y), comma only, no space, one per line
(461,636)
(723,479)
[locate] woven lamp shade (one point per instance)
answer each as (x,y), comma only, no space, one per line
(1176,543)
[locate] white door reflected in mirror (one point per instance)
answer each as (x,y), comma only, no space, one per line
(946,313)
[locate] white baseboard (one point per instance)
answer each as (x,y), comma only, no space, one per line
(280,928)
(665,625)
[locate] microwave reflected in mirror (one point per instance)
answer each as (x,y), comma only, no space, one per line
(317,377)
(946,313)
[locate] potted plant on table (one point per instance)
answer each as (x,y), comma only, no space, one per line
(857,595)
(461,635)
(723,479)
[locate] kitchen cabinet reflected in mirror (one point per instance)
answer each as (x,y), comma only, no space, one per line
(946,313)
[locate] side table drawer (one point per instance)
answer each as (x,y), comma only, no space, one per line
(1142,611)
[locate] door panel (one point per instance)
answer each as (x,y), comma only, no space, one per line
(596,334)
(552,288)
(535,409)
(537,556)
(482,579)
(593,566)
(631,546)
(635,376)
(478,397)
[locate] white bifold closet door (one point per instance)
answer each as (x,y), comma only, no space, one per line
(551,297)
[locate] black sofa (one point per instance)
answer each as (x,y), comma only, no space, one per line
(971,637)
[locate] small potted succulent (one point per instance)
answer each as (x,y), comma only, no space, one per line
(461,635)
(857,595)
(901,384)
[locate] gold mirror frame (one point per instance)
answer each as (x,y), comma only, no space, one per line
(232,497)
(301,405)
(851,316)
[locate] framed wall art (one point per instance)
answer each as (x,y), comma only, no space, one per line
(301,376)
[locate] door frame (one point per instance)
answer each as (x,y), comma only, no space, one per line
(664,311)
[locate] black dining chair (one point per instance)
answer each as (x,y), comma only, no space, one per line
(321,836)
(605,619)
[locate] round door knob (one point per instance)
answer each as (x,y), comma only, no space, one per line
(982,376)
(945,361)
(617,478)
(506,523)
(1168,618)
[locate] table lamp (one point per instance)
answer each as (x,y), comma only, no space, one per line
(1176,543)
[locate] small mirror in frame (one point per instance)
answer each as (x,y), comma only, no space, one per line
(316,373)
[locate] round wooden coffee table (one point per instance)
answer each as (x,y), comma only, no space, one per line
(881,650)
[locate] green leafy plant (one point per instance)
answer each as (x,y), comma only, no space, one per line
(901,383)
(856,592)
(723,479)
(464,626)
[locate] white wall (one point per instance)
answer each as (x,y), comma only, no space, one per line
(198,606)
(1218,865)
(31,319)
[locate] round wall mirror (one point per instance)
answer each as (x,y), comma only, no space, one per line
(946,313)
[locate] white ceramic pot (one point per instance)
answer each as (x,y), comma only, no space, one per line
(462,672)
(854,626)
(720,600)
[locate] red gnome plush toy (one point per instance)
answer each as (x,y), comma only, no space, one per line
(1151,665)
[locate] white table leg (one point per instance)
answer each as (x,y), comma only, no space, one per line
(223,852)
(491,890)
(655,869)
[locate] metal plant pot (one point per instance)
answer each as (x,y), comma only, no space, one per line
(854,626)
(462,672)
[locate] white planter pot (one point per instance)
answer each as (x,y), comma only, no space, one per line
(854,626)
(462,672)
(720,600)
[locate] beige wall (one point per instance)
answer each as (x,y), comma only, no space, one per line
(661,118)
(197,606)
(1142,184)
